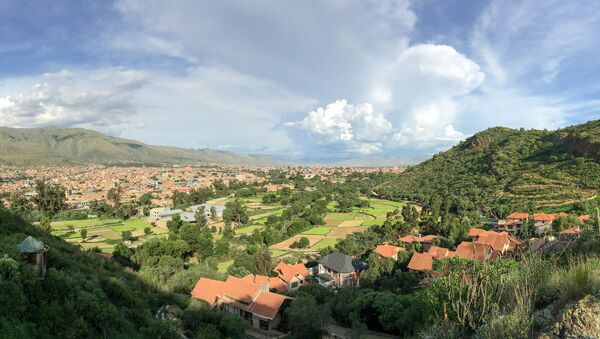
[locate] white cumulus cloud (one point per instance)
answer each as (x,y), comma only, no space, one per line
(101,99)
(355,128)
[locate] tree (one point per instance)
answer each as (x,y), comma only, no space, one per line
(83,234)
(147,230)
(50,199)
(114,195)
(235,212)
(174,224)
(126,235)
(145,199)
(201,242)
(213,213)
(180,199)
(200,217)
(45,224)
(303,242)
(306,318)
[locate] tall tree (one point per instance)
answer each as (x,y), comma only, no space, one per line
(50,198)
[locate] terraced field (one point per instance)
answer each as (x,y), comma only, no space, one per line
(339,225)
(104,233)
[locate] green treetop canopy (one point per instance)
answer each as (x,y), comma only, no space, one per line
(31,245)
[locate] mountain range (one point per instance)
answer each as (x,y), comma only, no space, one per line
(55,145)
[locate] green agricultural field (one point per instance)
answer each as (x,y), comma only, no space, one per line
(372,222)
(64,224)
(344,216)
(327,242)
(321,230)
(247,229)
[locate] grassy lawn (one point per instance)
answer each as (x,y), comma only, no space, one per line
(325,243)
(321,230)
(137,223)
(223,266)
(121,228)
(369,223)
(278,253)
(247,229)
(217,236)
(343,216)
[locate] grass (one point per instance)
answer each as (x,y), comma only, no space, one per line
(64,224)
(121,228)
(327,242)
(223,266)
(342,216)
(372,222)
(278,253)
(247,229)
(321,230)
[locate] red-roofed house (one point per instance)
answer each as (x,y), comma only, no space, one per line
(439,253)
(248,297)
(479,252)
(289,277)
(388,251)
(421,262)
(501,242)
(425,241)
(570,233)
(542,222)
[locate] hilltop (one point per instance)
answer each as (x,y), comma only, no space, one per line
(54,145)
(500,169)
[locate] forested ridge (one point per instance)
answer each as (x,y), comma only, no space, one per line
(84,295)
(501,169)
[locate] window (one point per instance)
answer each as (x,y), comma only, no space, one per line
(294,284)
(264,325)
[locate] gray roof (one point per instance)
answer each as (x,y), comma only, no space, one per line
(31,245)
(342,263)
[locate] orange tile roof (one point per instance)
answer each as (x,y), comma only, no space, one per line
(239,289)
(288,272)
(387,250)
(475,232)
(439,252)
(518,215)
(267,304)
(583,218)
(572,230)
(421,262)
(470,250)
(208,290)
(408,239)
(259,279)
(411,238)
(543,217)
(277,284)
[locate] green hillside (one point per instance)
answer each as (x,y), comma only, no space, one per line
(53,145)
(83,296)
(502,169)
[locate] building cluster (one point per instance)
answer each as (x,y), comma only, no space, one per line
(85,183)
(255,298)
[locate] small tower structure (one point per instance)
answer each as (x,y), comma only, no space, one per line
(35,253)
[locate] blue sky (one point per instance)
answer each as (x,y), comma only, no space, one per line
(310,80)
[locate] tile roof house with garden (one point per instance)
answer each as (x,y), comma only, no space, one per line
(340,270)
(387,250)
(289,277)
(247,297)
(502,242)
